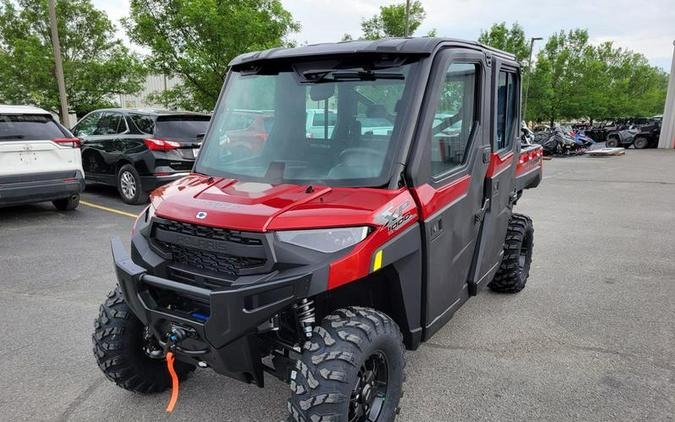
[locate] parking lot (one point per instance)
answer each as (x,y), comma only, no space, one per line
(592,337)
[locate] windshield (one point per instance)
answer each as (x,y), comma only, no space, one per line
(21,127)
(331,126)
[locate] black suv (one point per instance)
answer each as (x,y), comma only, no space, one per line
(139,150)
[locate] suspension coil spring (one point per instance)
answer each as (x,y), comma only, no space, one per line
(306,315)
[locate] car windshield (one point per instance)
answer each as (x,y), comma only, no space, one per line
(315,123)
(26,127)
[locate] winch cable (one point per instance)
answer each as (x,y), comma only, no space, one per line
(174,382)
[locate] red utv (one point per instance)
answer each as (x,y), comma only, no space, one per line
(320,260)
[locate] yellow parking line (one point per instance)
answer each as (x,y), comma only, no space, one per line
(113,210)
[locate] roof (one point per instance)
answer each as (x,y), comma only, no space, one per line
(154,112)
(419,46)
(21,109)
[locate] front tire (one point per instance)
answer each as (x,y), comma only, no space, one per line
(67,204)
(129,186)
(612,142)
(119,339)
(515,266)
(351,370)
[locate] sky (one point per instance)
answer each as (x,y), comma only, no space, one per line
(647,26)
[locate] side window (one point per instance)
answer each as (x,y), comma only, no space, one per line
(506,110)
(110,124)
(145,124)
(87,126)
(454,118)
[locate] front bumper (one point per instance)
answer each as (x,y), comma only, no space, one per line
(225,338)
(39,187)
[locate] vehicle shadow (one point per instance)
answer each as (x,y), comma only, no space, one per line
(24,211)
(103,190)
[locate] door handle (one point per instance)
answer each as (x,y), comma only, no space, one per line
(481,212)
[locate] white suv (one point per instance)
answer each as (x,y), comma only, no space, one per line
(39,159)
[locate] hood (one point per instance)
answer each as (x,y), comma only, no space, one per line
(260,207)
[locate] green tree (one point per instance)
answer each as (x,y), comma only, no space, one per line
(96,64)
(506,39)
(573,79)
(196,39)
(556,89)
(390,22)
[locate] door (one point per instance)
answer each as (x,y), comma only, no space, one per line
(110,146)
(91,157)
(500,179)
(450,171)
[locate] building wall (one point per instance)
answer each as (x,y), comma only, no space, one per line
(667,139)
(153,84)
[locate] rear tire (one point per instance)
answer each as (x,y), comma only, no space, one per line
(67,204)
(612,142)
(118,347)
(515,266)
(129,186)
(640,143)
(351,369)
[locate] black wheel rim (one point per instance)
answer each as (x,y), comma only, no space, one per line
(370,391)
(525,250)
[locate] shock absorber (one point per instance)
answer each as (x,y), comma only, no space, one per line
(306,315)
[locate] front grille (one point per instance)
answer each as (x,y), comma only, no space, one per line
(210,252)
(207,232)
(210,261)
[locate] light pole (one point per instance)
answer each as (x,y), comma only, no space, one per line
(407,18)
(529,73)
(63,100)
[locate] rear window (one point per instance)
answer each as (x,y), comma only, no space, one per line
(31,127)
(181,127)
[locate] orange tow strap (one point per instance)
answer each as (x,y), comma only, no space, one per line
(174,383)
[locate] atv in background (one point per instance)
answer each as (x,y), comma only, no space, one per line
(640,132)
(557,142)
(648,135)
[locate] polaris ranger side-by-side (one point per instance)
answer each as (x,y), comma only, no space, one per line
(319,259)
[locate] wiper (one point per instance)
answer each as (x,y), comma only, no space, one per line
(12,137)
(321,75)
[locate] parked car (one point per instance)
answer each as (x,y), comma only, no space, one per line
(139,150)
(247,131)
(39,159)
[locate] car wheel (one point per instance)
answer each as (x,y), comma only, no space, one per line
(640,143)
(129,185)
(350,370)
(67,204)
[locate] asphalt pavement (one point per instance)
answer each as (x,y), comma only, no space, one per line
(591,338)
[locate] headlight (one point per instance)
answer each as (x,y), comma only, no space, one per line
(324,240)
